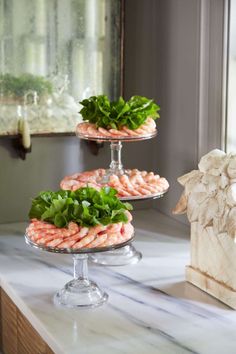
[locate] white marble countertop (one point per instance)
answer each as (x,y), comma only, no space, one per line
(151,308)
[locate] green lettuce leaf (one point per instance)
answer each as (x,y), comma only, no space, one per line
(133,113)
(86,206)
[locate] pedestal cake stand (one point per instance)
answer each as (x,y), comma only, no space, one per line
(127,254)
(81,292)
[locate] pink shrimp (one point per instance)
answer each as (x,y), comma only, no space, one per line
(129,131)
(111,240)
(163,182)
(137,179)
(68,184)
(114,181)
(114,227)
(97,241)
(42,225)
(66,243)
(78,185)
(134,171)
(128,186)
(73,227)
(82,128)
(127,231)
(96,229)
(84,241)
(83,232)
(129,216)
(104,132)
(117,132)
(146,189)
(140,131)
(38,234)
(92,131)
(151,123)
(54,242)
(45,239)
(143,173)
(122,192)
(87,175)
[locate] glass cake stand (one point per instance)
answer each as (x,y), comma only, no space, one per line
(81,292)
(128,254)
(116,166)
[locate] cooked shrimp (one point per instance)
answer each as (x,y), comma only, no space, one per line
(96,229)
(163,182)
(68,184)
(127,231)
(43,225)
(83,231)
(84,241)
(129,131)
(129,216)
(151,123)
(140,131)
(54,242)
(66,243)
(97,241)
(114,227)
(92,131)
(111,240)
(114,181)
(143,173)
(104,132)
(78,185)
(72,226)
(125,181)
(82,128)
(122,192)
(45,239)
(85,176)
(117,132)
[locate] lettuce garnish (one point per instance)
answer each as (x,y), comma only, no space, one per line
(86,207)
(133,113)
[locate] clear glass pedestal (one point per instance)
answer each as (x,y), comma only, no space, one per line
(80,292)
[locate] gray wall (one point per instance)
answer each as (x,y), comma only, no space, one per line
(166,60)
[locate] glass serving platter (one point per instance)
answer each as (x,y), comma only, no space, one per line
(144,197)
(81,292)
(114,139)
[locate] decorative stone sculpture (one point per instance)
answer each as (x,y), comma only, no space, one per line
(209,199)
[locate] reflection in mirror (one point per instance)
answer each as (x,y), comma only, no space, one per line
(54,53)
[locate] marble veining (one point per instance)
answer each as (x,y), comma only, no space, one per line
(151,308)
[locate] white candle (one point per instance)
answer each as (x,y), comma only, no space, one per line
(35,56)
(29,56)
(91,10)
(40,17)
(41,58)
(78,69)
(1,19)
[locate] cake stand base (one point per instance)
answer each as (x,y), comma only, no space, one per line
(122,256)
(80,293)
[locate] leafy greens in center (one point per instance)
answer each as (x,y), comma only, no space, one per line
(86,207)
(132,114)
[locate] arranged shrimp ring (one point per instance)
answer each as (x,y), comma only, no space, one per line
(78,237)
(133,183)
(90,130)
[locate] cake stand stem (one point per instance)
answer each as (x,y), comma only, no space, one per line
(80,267)
(80,292)
(116,166)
